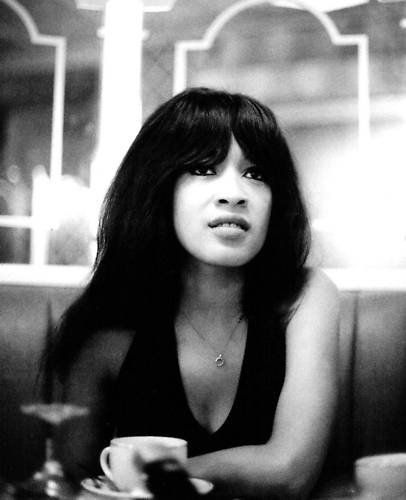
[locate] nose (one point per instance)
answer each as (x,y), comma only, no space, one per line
(232,201)
(230,190)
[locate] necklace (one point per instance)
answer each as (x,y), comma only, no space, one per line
(220,359)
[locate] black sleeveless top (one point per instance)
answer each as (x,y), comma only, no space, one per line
(151,400)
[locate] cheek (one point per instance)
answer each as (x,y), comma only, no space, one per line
(263,217)
(183,211)
(265,210)
(178,214)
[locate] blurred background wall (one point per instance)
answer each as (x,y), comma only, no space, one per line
(55,151)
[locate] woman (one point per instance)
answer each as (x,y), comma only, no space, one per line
(201,319)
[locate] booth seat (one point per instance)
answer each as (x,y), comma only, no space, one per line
(371,414)
(371,417)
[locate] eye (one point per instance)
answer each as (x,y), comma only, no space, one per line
(202,171)
(256,173)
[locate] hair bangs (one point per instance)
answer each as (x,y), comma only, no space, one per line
(256,130)
(201,131)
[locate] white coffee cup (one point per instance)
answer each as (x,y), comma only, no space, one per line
(122,462)
(382,476)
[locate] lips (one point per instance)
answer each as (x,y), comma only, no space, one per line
(230,222)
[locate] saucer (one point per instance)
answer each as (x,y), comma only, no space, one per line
(101,486)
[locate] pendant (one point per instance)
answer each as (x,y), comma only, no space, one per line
(220,361)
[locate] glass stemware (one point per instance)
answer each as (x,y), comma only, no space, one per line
(50,480)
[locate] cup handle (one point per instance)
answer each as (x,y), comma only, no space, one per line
(104,463)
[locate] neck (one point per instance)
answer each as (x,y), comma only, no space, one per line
(212,291)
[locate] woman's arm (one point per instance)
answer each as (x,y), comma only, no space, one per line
(288,465)
(90,384)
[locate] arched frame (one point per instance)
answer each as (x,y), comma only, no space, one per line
(353,279)
(361,41)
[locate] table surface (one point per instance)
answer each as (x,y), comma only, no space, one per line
(338,491)
(341,490)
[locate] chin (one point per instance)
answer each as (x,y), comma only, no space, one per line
(221,256)
(229,260)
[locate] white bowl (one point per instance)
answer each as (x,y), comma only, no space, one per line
(382,476)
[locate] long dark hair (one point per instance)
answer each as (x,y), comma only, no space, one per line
(136,275)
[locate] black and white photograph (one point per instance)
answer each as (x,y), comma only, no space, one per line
(202,249)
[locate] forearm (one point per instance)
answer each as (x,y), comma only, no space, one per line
(252,471)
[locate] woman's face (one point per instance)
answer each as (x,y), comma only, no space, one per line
(221,214)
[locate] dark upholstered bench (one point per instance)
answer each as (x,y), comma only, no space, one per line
(24,312)
(371,416)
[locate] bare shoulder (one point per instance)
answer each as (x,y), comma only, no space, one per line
(319,292)
(318,306)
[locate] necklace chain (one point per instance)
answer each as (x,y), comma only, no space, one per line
(220,359)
